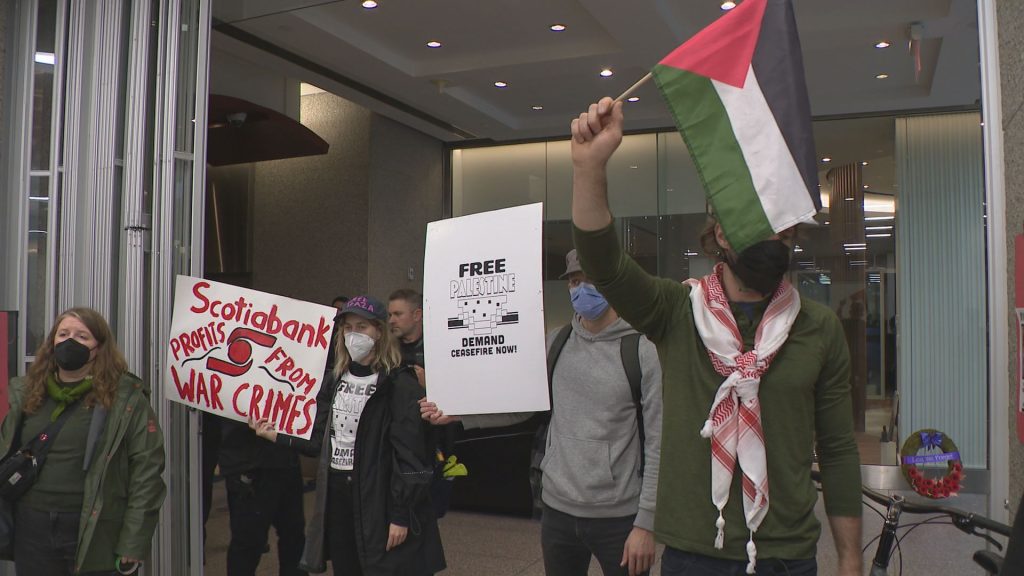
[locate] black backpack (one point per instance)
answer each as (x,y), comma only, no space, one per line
(629,349)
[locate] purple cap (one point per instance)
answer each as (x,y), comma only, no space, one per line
(366,306)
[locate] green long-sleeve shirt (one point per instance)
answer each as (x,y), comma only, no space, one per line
(804,396)
(54,491)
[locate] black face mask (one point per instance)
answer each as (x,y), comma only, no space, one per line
(761,267)
(71,354)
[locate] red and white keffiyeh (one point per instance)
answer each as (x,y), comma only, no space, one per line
(734,421)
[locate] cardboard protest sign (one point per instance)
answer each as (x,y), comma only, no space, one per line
(483,313)
(236,352)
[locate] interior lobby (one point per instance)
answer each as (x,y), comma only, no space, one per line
(301,147)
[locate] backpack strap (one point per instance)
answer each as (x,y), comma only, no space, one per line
(540,436)
(630,351)
(39,446)
(553,352)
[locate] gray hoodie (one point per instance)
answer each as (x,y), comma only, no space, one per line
(593,452)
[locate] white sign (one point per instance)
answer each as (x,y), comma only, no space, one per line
(237,352)
(483,313)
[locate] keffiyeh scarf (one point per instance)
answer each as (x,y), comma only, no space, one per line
(734,421)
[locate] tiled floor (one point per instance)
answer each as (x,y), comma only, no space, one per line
(474,544)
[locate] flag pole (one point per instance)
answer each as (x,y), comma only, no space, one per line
(633,88)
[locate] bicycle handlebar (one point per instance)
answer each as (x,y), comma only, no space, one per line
(963,520)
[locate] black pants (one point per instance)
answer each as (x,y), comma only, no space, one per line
(211,452)
(341,526)
(258,500)
(569,541)
(679,563)
(45,543)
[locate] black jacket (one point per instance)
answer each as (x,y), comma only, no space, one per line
(392,473)
(241,450)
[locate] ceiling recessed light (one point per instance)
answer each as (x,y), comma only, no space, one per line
(865,186)
(433,44)
(727,5)
(537,107)
(633,99)
(557,27)
(606,72)
(500,84)
(369,4)
(826,159)
(882,44)
(864,163)
(881,76)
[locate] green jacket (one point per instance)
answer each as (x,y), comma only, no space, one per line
(124,487)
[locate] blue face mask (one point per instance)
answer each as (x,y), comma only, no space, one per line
(587,301)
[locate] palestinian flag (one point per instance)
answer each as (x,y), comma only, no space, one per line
(739,98)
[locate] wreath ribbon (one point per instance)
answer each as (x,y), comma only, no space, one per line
(931,458)
(931,440)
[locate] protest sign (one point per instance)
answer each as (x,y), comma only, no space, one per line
(483,313)
(237,352)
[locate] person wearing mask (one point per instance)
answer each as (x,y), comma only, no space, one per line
(95,502)
(754,379)
(599,472)
(372,511)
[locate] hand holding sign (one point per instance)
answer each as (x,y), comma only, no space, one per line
(244,354)
(483,315)
(431,413)
(263,428)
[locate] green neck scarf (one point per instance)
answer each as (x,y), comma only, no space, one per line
(64,396)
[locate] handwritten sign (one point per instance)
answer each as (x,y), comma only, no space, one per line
(237,352)
(483,313)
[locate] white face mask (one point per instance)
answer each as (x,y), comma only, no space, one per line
(358,345)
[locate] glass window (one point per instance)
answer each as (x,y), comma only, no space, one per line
(848,263)
(42,97)
(40,162)
(498,177)
(38,247)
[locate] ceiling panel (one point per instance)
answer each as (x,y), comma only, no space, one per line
(509,40)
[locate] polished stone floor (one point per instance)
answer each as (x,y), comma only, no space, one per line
(474,544)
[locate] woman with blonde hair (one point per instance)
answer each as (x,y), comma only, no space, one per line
(94,505)
(372,512)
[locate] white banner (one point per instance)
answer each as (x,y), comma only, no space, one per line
(236,352)
(483,313)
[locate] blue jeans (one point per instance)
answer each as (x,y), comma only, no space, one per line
(679,563)
(569,541)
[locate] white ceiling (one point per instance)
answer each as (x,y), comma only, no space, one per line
(379,59)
